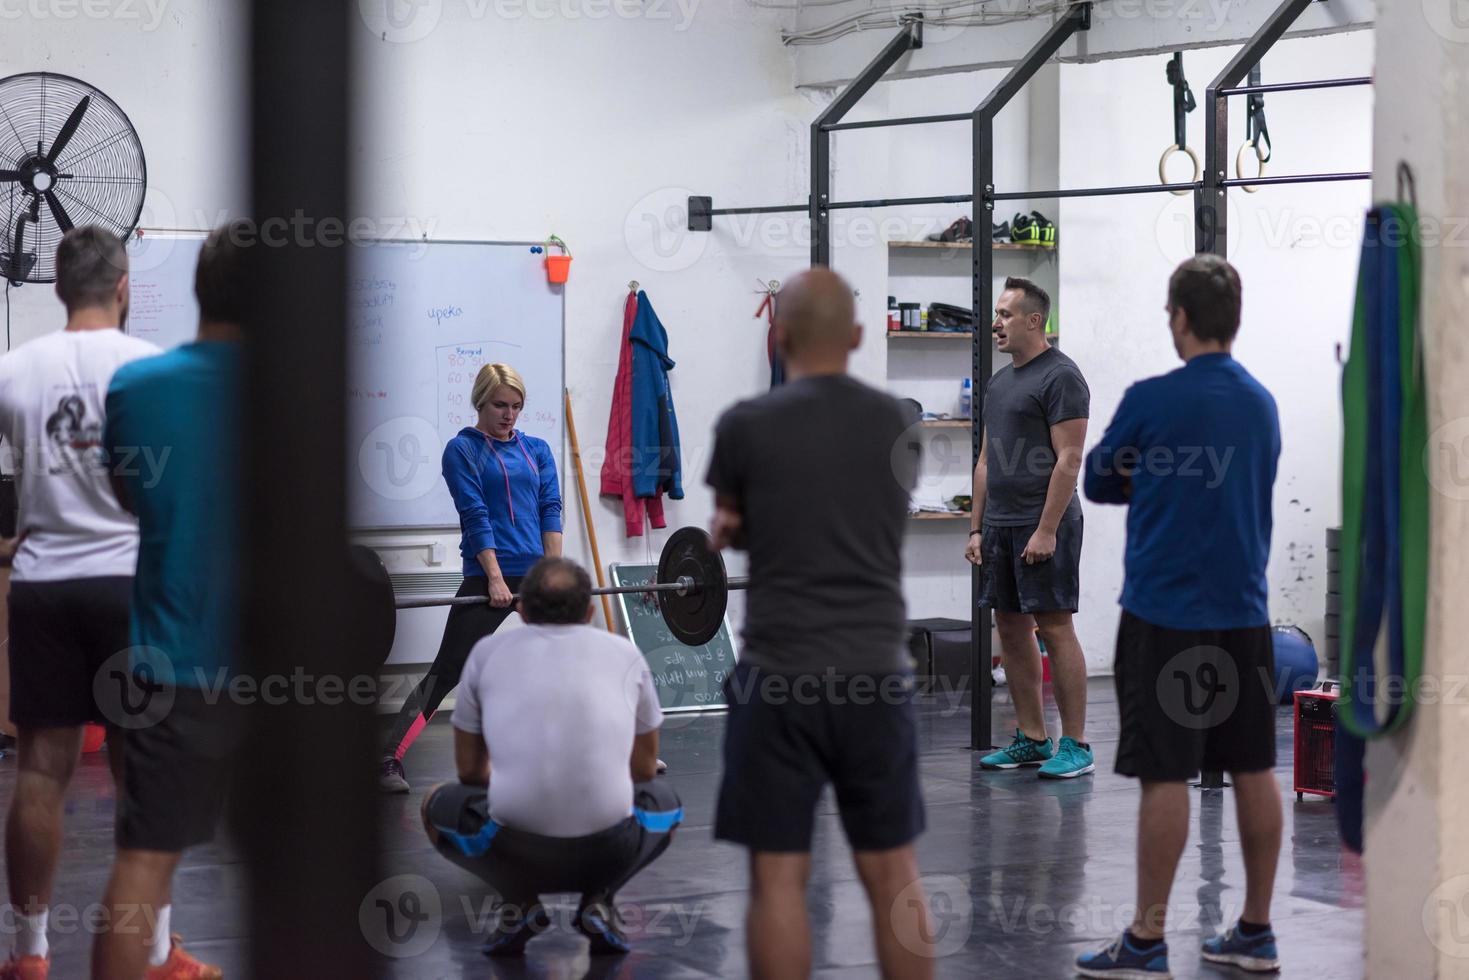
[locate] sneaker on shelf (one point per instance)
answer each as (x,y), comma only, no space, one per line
(515,930)
(1122,959)
(962,230)
(390,775)
(26,968)
(1000,232)
(1033,229)
(181,966)
(597,920)
(1023,751)
(1072,759)
(1255,954)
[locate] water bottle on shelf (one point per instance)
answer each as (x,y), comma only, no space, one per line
(966,397)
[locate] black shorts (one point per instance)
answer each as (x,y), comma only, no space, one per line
(521,865)
(1194,699)
(1008,584)
(787,735)
(176,770)
(61,635)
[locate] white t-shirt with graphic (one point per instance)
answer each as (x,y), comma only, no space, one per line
(558,707)
(52,393)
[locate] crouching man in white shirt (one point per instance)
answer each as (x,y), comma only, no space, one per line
(556,744)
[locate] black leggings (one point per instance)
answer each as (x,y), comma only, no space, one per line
(467,625)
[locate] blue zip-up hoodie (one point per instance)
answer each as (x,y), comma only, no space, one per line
(656,464)
(507,495)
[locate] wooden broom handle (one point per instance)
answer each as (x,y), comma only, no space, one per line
(586,510)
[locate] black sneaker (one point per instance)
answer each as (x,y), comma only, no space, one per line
(515,930)
(390,775)
(598,921)
(1000,232)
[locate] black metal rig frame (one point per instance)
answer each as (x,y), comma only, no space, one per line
(1211,226)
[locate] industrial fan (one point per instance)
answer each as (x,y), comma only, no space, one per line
(68,156)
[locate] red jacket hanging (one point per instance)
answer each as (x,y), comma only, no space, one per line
(617,480)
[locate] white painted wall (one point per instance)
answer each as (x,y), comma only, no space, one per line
(174,66)
(1296,250)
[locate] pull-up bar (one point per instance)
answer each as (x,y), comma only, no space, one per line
(1296,86)
(901,121)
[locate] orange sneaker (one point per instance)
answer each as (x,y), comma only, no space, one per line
(182,966)
(25,968)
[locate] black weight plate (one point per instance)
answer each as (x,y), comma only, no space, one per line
(693,619)
(1333,582)
(374,621)
(1333,604)
(1333,561)
(1333,538)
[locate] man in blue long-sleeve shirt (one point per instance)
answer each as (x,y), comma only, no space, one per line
(1193,455)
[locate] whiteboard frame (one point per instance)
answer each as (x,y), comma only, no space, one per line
(626,631)
(143,233)
(560,450)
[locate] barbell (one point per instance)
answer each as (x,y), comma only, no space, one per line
(691,585)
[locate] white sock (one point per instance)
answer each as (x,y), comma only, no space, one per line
(162,942)
(30,933)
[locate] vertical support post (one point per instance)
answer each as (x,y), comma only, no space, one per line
(910,38)
(1211,223)
(820,195)
(981,366)
(1211,204)
(305,805)
(982,352)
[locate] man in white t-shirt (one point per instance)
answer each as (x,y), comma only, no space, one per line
(74,555)
(556,744)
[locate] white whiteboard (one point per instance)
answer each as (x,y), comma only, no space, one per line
(421,319)
(162,309)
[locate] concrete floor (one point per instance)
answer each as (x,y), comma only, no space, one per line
(1022,875)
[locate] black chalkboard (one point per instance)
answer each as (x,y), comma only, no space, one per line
(687,678)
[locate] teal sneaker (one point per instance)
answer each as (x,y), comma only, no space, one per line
(1257,953)
(1021,752)
(1072,759)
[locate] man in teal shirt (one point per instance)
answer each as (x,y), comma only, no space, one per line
(170,438)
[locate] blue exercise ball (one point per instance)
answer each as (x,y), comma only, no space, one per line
(1295,662)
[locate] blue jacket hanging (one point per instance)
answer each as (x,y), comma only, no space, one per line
(656,458)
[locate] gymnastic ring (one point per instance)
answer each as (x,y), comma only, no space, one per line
(1239,160)
(1163,167)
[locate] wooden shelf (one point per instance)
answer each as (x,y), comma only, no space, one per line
(966,246)
(926,515)
(946,423)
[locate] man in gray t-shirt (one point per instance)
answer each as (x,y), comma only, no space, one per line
(1026,529)
(812,479)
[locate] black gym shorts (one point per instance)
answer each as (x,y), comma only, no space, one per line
(787,735)
(176,769)
(61,635)
(1194,700)
(1008,584)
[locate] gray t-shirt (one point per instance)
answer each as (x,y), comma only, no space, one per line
(822,471)
(1020,406)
